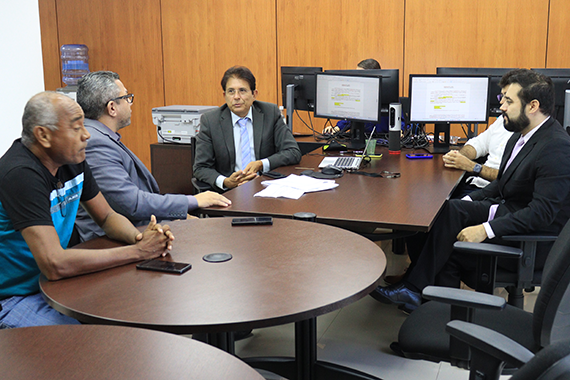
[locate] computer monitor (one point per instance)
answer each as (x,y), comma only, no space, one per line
(355,97)
(390,84)
(494,73)
(561,80)
(303,78)
(448,99)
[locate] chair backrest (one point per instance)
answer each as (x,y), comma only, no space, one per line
(551,316)
(551,363)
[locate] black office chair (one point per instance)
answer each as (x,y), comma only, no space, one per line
(422,335)
(489,276)
(199,186)
(490,351)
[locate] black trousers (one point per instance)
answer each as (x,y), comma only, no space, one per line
(435,263)
(429,261)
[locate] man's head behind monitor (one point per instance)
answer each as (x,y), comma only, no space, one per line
(368,64)
(239,88)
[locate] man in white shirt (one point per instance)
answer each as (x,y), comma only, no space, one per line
(490,143)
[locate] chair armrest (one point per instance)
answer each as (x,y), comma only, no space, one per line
(200,186)
(464,298)
(490,342)
(530,237)
(487,249)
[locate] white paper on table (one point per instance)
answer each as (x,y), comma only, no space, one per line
(294,186)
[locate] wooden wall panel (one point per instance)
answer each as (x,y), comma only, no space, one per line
(483,33)
(175,51)
(50,45)
(558,53)
(203,38)
(123,36)
(337,34)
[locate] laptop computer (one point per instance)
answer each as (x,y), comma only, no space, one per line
(348,162)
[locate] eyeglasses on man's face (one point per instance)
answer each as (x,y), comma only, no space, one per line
(130,98)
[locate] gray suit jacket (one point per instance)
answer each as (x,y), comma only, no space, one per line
(126,183)
(215,150)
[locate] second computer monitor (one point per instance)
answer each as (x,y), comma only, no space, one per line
(449,99)
(495,73)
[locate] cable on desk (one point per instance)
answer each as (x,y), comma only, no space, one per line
(414,137)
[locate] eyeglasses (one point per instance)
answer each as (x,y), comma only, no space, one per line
(500,97)
(130,98)
(242,91)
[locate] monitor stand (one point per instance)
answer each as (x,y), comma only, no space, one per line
(290,104)
(357,137)
(438,146)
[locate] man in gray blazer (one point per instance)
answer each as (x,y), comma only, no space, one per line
(531,192)
(126,183)
(242,137)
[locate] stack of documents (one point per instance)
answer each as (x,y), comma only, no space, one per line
(294,186)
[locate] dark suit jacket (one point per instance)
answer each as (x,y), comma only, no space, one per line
(215,150)
(533,193)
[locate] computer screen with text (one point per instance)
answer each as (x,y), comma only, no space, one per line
(351,97)
(449,99)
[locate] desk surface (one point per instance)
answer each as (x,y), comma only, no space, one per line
(112,352)
(284,273)
(410,202)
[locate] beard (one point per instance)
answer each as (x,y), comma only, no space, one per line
(124,123)
(518,124)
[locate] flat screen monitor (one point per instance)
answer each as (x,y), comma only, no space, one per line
(449,99)
(390,84)
(355,97)
(494,73)
(348,96)
(303,77)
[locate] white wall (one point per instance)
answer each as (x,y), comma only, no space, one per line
(21,67)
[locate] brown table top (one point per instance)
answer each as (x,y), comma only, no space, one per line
(410,202)
(287,272)
(112,352)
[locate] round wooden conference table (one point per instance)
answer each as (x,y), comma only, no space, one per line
(291,271)
(112,352)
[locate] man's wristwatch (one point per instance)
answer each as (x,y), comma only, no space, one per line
(477,169)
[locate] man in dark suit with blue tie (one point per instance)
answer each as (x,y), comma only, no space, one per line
(242,137)
(531,193)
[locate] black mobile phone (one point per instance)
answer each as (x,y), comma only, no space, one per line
(418,156)
(273,175)
(258,220)
(164,266)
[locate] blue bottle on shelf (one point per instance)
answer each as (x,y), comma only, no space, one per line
(74,63)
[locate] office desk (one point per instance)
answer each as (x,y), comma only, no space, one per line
(112,352)
(408,203)
(292,271)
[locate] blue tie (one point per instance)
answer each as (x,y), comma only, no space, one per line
(245,150)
